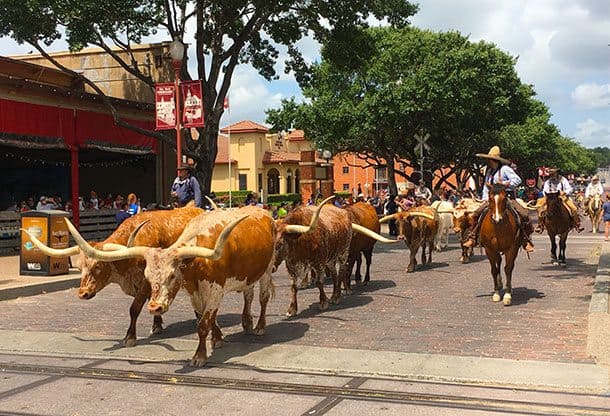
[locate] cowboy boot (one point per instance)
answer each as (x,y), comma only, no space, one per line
(541,224)
(577,225)
(471,240)
(526,230)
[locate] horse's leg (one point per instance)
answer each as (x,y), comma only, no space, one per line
(495,259)
(510,257)
(553,249)
(562,248)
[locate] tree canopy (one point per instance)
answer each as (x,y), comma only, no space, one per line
(227,33)
(407,81)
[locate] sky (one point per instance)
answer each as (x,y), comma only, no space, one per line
(561,45)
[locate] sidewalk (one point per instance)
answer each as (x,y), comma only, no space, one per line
(14,285)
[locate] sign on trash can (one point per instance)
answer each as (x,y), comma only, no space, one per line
(50,228)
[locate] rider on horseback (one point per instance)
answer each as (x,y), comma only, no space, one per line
(499,172)
(558,183)
(594,188)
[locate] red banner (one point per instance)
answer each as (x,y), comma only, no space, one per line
(192,111)
(165,107)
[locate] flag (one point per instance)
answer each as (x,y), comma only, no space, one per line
(226,103)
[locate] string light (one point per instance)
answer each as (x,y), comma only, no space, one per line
(105,164)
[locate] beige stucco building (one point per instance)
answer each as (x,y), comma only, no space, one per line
(259,160)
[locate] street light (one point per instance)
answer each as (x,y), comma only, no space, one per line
(326,154)
(176,51)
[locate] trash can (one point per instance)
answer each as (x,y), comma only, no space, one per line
(50,228)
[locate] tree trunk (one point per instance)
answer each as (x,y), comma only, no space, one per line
(391,175)
(206,151)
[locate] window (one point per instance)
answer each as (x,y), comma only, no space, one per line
(345,169)
(346,186)
(273,182)
(243,182)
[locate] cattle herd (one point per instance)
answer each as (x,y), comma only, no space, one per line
(152,255)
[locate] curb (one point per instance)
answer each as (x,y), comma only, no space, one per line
(39,288)
(598,337)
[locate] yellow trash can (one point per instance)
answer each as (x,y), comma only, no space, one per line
(50,228)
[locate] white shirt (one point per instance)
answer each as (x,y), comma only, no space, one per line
(594,189)
(555,185)
(504,174)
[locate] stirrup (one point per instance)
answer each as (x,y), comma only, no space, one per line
(528,247)
(471,242)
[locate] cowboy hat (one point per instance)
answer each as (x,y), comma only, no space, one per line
(553,171)
(594,178)
(494,154)
(185,167)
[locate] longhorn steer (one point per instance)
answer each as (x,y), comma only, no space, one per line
(236,263)
(365,215)
(320,246)
(444,210)
(417,227)
(162,229)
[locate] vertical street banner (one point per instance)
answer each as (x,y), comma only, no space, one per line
(165,106)
(192,112)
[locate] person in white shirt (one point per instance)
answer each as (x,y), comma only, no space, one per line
(557,183)
(594,188)
(423,192)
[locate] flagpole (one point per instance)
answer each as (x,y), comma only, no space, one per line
(229,151)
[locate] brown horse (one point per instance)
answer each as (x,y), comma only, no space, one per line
(500,234)
(558,223)
(594,211)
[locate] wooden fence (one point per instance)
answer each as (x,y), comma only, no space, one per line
(94,226)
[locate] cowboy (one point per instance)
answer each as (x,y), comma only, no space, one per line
(185,187)
(499,172)
(593,188)
(423,192)
(557,183)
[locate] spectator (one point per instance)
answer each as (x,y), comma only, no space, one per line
(45,204)
(274,212)
(13,207)
(118,202)
(359,190)
(42,201)
(390,208)
(185,187)
(282,212)
(93,201)
(107,203)
(423,192)
(81,204)
(133,205)
(123,214)
(23,207)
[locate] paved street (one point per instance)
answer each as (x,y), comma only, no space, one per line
(443,309)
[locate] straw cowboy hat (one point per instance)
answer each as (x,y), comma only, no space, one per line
(553,171)
(494,154)
(594,178)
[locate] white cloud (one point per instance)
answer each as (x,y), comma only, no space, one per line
(592,133)
(592,95)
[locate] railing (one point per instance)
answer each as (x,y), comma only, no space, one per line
(94,226)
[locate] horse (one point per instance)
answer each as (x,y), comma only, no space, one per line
(500,233)
(558,223)
(594,211)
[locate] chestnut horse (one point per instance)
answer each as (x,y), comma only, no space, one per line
(500,234)
(558,223)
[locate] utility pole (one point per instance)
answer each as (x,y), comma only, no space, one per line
(420,147)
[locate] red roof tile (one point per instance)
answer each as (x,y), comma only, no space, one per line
(297,136)
(283,157)
(222,157)
(245,126)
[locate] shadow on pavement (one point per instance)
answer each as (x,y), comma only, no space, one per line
(521,295)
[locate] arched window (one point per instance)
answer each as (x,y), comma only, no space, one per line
(273,182)
(289,181)
(297,181)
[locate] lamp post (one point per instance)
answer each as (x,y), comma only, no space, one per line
(176,51)
(327,155)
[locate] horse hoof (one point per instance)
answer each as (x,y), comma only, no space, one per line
(129,342)
(324,305)
(495,297)
(507,300)
(555,263)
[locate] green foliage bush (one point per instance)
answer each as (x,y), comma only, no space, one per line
(277,199)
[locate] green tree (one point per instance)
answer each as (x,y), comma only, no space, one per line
(373,93)
(228,33)
(602,155)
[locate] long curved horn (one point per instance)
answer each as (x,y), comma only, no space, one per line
(211,254)
(302,229)
(420,214)
(387,218)
(53,252)
(524,205)
(100,254)
(132,236)
(369,233)
(445,211)
(113,247)
(212,203)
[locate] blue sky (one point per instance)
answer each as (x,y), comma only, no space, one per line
(562,49)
